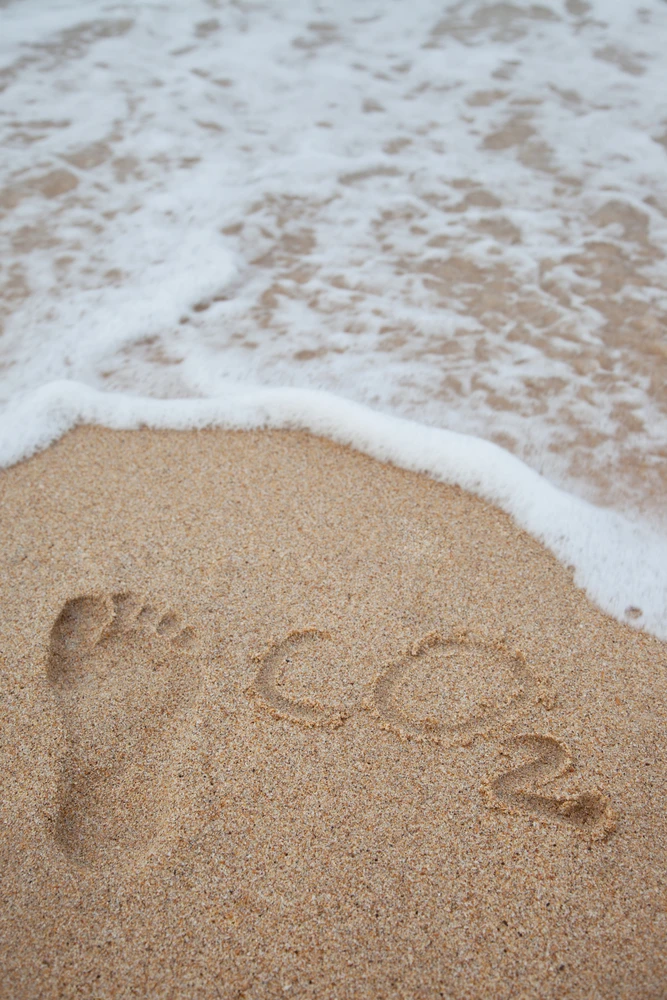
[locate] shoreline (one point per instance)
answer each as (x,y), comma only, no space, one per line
(621,564)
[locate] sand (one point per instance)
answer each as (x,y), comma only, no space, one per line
(279,720)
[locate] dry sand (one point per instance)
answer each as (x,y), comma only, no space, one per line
(278,720)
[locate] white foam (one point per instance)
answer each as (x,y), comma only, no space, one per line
(340,176)
(619,564)
(247,203)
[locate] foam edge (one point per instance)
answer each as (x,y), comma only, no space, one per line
(618,563)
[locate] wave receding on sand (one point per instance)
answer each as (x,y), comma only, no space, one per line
(622,566)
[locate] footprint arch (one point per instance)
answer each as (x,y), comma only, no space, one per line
(126,678)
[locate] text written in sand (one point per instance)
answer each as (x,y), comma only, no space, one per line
(546,759)
(126,679)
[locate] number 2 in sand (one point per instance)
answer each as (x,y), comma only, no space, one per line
(589,812)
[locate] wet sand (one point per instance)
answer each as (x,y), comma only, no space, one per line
(279,720)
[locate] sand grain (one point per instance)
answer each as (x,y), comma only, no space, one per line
(352,734)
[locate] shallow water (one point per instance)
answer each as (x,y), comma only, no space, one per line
(453,212)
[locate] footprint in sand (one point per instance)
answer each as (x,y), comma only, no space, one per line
(126,681)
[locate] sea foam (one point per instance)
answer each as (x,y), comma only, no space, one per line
(451,215)
(620,565)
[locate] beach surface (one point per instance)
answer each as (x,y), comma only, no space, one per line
(453,213)
(280,720)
